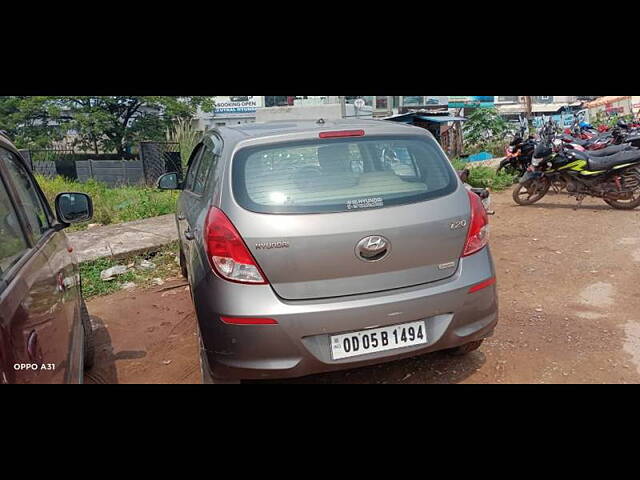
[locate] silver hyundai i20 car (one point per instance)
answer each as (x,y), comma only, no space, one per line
(313,246)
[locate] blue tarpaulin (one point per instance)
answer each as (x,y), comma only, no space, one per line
(478,157)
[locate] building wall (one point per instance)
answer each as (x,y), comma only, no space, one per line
(625,107)
(536,99)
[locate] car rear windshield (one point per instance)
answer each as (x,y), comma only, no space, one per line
(340,175)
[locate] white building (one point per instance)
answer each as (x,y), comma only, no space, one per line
(237,110)
(513,106)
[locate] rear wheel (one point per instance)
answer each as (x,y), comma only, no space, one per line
(629,203)
(466,348)
(531,191)
(89,344)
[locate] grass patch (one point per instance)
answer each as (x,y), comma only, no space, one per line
(485,177)
(164,260)
(113,205)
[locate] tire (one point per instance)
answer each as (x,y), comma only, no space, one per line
(623,206)
(89,339)
(183,264)
(205,371)
(465,349)
(540,192)
(507,167)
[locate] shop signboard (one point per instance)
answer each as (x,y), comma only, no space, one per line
(471,102)
(237,105)
(563,120)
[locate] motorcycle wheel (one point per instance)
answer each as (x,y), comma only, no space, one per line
(531,191)
(627,204)
(507,167)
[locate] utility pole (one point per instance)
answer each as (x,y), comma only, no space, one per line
(527,106)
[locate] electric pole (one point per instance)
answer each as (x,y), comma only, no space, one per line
(527,106)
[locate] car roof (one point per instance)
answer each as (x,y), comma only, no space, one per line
(247,131)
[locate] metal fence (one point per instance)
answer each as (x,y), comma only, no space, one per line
(159,158)
(155,159)
(111,172)
(48,169)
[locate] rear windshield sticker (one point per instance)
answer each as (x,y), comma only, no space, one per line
(365,203)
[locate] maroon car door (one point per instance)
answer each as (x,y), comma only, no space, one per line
(39,304)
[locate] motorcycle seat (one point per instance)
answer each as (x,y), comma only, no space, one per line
(570,139)
(604,152)
(610,161)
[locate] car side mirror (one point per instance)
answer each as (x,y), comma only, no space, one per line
(168,181)
(73,208)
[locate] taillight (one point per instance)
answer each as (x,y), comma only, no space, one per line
(478,233)
(227,253)
(342,133)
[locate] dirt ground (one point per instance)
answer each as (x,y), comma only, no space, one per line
(569,310)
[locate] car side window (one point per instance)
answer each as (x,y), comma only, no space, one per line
(194,163)
(13,245)
(28,196)
(207,161)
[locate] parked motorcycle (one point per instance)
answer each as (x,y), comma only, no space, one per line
(518,156)
(614,177)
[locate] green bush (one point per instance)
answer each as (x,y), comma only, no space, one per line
(113,205)
(485,177)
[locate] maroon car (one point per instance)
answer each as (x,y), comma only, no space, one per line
(45,331)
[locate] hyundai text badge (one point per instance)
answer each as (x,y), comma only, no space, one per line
(373,248)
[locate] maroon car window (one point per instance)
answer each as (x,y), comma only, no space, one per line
(12,242)
(28,196)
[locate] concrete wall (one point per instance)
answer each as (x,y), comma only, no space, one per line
(111,172)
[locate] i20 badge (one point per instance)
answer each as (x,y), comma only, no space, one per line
(458,224)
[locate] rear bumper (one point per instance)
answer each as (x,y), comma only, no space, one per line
(299,344)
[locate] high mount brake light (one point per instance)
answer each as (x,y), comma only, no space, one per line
(227,253)
(342,133)
(478,233)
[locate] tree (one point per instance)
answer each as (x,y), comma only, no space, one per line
(33,121)
(484,124)
(117,123)
(104,123)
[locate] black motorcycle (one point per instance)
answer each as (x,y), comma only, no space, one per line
(615,178)
(519,155)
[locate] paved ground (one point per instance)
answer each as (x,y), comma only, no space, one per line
(124,239)
(569,299)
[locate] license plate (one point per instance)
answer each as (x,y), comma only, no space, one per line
(377,340)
